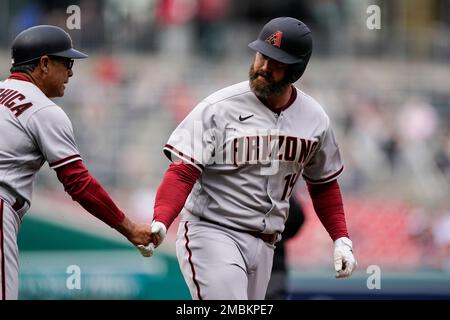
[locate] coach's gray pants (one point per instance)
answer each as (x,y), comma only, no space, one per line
(9,253)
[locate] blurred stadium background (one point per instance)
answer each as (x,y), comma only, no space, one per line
(387,92)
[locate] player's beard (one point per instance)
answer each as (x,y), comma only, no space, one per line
(269,87)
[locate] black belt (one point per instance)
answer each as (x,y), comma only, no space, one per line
(266,237)
(12,196)
(18,204)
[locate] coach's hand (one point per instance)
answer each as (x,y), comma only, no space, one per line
(136,233)
(344,261)
(158,233)
(139,234)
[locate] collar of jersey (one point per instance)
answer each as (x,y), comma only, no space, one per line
(287,105)
(19,76)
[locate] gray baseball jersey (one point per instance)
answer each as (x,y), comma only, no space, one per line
(33,129)
(251,157)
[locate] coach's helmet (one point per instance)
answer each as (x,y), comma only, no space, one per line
(286,40)
(35,42)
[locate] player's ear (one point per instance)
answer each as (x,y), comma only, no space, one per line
(43,63)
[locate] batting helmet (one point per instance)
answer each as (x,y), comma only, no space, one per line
(286,40)
(38,41)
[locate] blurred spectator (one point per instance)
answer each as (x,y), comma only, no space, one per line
(418,121)
(178,98)
(210,27)
(92,33)
(391,150)
(327,14)
(108,71)
(172,19)
(142,202)
(442,156)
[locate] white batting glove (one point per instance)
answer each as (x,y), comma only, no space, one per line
(146,251)
(344,261)
(159,232)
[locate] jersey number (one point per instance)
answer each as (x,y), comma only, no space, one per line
(291,179)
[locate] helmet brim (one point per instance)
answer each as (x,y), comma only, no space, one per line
(70,53)
(274,53)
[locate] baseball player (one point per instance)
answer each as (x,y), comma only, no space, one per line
(236,158)
(33,129)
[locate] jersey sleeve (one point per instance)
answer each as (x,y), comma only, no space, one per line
(193,141)
(52,130)
(325,165)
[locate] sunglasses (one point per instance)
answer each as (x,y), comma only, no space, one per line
(66,61)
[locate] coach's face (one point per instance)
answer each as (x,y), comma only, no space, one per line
(267,76)
(57,71)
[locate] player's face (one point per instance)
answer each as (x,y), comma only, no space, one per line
(267,76)
(59,72)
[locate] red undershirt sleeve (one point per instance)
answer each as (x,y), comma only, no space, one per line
(327,202)
(88,192)
(173,191)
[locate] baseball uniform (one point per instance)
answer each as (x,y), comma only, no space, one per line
(250,159)
(33,130)
(237,157)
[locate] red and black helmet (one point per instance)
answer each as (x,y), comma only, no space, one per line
(286,40)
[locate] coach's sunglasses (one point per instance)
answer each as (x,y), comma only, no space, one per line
(66,61)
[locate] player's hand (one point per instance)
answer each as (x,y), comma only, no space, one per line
(146,251)
(159,232)
(344,261)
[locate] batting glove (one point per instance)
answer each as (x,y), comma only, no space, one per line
(159,232)
(146,251)
(344,261)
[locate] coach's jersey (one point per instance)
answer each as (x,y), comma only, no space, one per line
(251,157)
(33,129)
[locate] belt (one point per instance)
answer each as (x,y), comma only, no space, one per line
(18,204)
(15,201)
(266,237)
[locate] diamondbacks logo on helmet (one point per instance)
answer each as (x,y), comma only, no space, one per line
(275,39)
